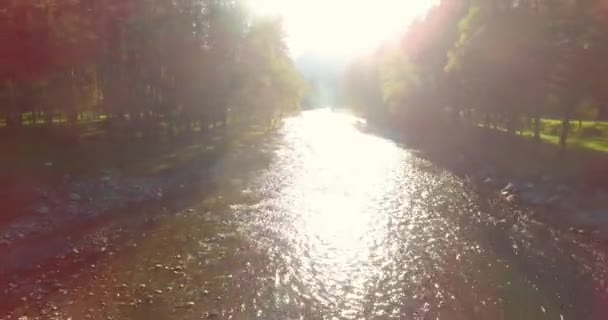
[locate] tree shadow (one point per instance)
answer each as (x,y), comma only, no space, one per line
(39,267)
(469,151)
(548,265)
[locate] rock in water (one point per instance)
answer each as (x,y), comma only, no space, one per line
(512,198)
(510,188)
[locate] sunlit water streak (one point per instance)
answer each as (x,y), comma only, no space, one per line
(323,221)
(357,227)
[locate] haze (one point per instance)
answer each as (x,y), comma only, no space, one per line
(341,29)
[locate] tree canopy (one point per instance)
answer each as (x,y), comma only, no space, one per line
(155,63)
(492,62)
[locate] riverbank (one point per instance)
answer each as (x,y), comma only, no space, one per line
(69,224)
(307,234)
(567,189)
(49,197)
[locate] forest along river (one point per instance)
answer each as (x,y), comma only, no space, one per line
(339,225)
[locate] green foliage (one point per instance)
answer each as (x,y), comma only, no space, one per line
(506,64)
(146,65)
(398,77)
(466,28)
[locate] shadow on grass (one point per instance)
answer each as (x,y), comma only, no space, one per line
(469,150)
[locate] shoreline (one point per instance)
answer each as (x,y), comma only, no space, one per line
(562,200)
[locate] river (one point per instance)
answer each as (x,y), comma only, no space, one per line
(338,224)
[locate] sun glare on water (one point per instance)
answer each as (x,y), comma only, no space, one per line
(341,28)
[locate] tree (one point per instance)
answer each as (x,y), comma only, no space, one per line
(143,65)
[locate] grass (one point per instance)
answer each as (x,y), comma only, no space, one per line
(591,135)
(519,156)
(49,160)
(50,153)
(587,152)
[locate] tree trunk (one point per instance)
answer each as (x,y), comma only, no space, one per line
(511,126)
(48,118)
(563,137)
(11,117)
(73,114)
(537,126)
(12,120)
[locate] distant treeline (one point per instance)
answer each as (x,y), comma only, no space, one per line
(146,65)
(499,63)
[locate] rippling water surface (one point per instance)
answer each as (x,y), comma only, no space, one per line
(357,227)
(346,225)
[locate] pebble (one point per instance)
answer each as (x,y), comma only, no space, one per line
(185,305)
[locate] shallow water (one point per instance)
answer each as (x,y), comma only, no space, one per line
(339,225)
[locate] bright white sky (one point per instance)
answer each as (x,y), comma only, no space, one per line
(342,28)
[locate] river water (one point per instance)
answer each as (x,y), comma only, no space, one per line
(339,224)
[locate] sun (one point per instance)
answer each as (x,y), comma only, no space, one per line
(342,28)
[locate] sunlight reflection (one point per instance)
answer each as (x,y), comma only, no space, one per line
(342,19)
(334,194)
